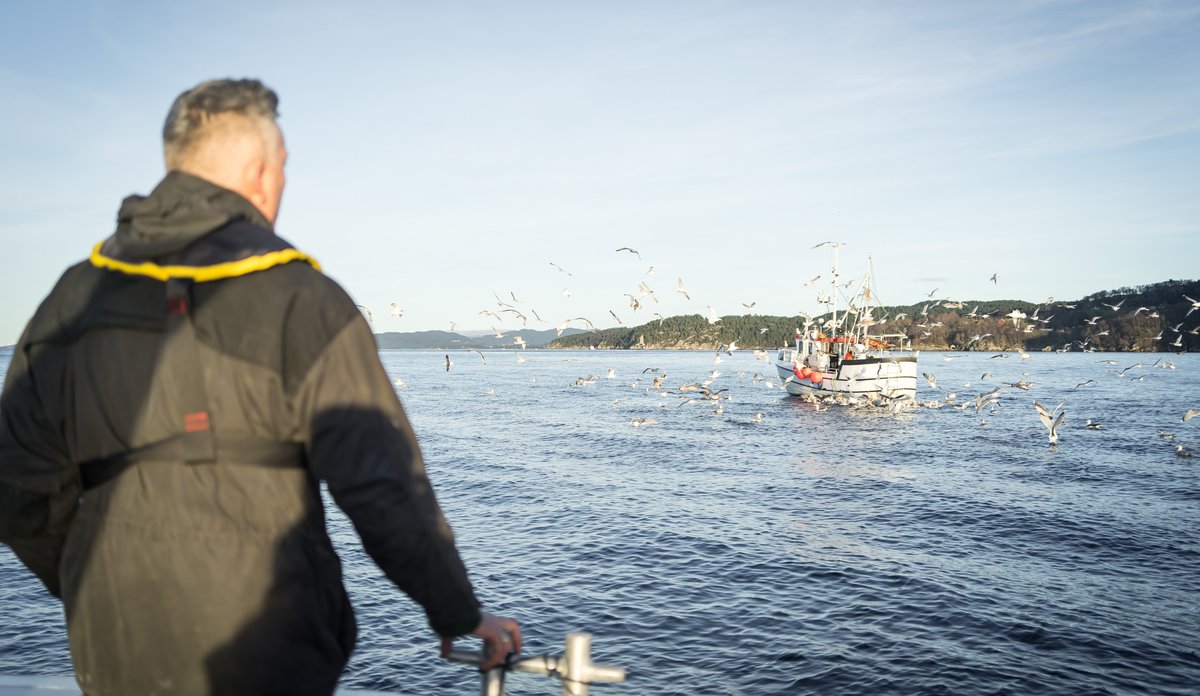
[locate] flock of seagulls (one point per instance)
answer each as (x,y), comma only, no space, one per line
(705,392)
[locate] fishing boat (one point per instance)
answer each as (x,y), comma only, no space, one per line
(844,355)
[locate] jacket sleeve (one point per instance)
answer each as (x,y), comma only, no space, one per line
(38,484)
(361,444)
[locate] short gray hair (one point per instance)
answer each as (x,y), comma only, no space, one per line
(197,107)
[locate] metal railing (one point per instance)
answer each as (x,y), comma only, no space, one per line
(575,667)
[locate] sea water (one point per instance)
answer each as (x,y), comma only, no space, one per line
(839,551)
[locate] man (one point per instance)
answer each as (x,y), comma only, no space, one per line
(168,416)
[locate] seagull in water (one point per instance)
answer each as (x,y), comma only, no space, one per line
(1050,420)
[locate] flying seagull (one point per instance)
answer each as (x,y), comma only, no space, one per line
(1191,413)
(397,310)
(1050,420)
(560,268)
(993,278)
(632,251)
(680,289)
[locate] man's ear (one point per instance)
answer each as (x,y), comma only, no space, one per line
(252,181)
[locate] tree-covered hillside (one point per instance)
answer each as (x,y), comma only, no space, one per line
(1146,318)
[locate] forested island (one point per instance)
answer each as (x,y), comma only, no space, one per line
(1156,317)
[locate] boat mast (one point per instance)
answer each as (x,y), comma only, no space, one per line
(833,290)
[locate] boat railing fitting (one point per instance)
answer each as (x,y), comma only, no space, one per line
(575,667)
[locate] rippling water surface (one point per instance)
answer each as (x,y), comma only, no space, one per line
(829,552)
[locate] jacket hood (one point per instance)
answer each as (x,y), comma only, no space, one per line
(180,210)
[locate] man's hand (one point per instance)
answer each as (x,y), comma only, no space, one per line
(500,637)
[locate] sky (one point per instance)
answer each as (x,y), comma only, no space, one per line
(443,154)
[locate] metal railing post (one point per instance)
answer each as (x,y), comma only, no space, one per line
(575,667)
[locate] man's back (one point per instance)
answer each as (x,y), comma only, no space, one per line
(165,559)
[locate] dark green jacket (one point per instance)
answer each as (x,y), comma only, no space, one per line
(211,576)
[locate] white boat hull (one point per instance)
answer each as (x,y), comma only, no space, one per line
(892,377)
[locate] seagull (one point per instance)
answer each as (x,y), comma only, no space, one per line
(749,306)
(448,363)
(370,317)
(1194,307)
(1191,413)
(1084,384)
(518,341)
(397,310)
(633,302)
(614,316)
(987,399)
(993,278)
(1050,421)
(812,280)
(1092,425)
(632,251)
(930,295)
(644,289)
(712,315)
(560,268)
(472,350)
(566,292)
(612,373)
(1114,307)
(679,288)
(931,379)
(835,245)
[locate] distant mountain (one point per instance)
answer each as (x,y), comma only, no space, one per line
(446,340)
(1146,318)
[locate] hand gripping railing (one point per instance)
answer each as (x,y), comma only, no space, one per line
(575,668)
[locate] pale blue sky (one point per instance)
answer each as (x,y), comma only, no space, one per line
(444,151)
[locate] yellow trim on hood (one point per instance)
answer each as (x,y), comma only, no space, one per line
(201,274)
